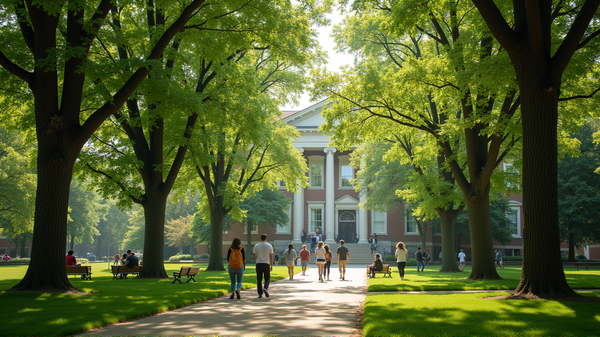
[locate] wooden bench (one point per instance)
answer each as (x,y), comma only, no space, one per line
(386,271)
(190,272)
(584,264)
(124,270)
(84,271)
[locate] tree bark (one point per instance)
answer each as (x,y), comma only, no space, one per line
(215,263)
(543,274)
(480,229)
(447,218)
(154,246)
(571,246)
(47,269)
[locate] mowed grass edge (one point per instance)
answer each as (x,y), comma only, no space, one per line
(474,315)
(111,301)
(432,279)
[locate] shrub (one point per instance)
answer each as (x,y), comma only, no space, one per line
(512,258)
(177,258)
(204,256)
(581,257)
(18,261)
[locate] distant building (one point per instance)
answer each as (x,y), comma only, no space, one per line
(331,204)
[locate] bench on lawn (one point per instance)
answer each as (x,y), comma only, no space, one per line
(386,271)
(84,271)
(584,264)
(124,270)
(190,272)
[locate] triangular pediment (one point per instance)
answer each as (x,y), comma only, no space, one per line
(346,199)
(309,118)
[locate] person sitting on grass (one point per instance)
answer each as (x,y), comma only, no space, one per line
(376,266)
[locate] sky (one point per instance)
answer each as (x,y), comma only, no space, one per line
(336,60)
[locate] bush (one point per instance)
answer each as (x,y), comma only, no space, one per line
(18,261)
(177,258)
(411,261)
(581,257)
(204,256)
(512,258)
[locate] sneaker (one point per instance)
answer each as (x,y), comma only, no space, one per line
(343,278)
(266,292)
(232,295)
(259,296)
(237,293)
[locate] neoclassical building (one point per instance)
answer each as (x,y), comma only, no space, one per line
(330,203)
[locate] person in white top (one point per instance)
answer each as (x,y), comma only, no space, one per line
(320,255)
(401,256)
(263,253)
(462,257)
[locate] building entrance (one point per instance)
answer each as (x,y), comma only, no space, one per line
(347,225)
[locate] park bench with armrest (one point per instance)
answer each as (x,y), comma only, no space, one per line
(84,271)
(584,264)
(386,271)
(190,272)
(124,270)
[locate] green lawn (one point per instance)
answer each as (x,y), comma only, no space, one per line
(112,301)
(472,315)
(432,279)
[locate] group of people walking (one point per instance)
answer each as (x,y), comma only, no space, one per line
(263,253)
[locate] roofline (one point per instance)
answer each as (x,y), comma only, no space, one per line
(301,113)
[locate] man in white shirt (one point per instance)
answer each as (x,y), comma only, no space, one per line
(263,253)
(462,256)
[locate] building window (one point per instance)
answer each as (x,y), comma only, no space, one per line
(410,221)
(378,222)
(281,184)
(512,252)
(316,219)
(254,228)
(514,215)
(285,228)
(316,175)
(513,176)
(346,172)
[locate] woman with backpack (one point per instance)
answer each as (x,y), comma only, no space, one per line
(236,258)
(290,260)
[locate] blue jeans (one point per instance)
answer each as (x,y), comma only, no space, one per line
(235,275)
(419,263)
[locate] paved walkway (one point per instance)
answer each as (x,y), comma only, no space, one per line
(303,306)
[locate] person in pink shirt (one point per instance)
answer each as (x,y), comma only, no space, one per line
(304,259)
(117,259)
(71,261)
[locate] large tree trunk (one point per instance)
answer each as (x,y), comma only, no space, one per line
(47,269)
(480,229)
(543,274)
(449,265)
(571,246)
(154,239)
(215,263)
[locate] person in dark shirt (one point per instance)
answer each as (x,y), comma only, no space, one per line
(132,261)
(376,266)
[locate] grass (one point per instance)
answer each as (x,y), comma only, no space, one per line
(432,279)
(112,301)
(472,315)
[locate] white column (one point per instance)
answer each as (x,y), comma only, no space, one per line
(363,226)
(329,225)
(298,207)
(298,218)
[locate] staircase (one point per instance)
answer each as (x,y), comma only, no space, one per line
(360,253)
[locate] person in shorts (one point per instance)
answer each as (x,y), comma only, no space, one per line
(320,256)
(343,256)
(499,262)
(304,259)
(462,258)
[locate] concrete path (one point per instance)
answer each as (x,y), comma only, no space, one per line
(303,306)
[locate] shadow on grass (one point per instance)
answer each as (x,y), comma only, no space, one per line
(432,280)
(111,301)
(470,314)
